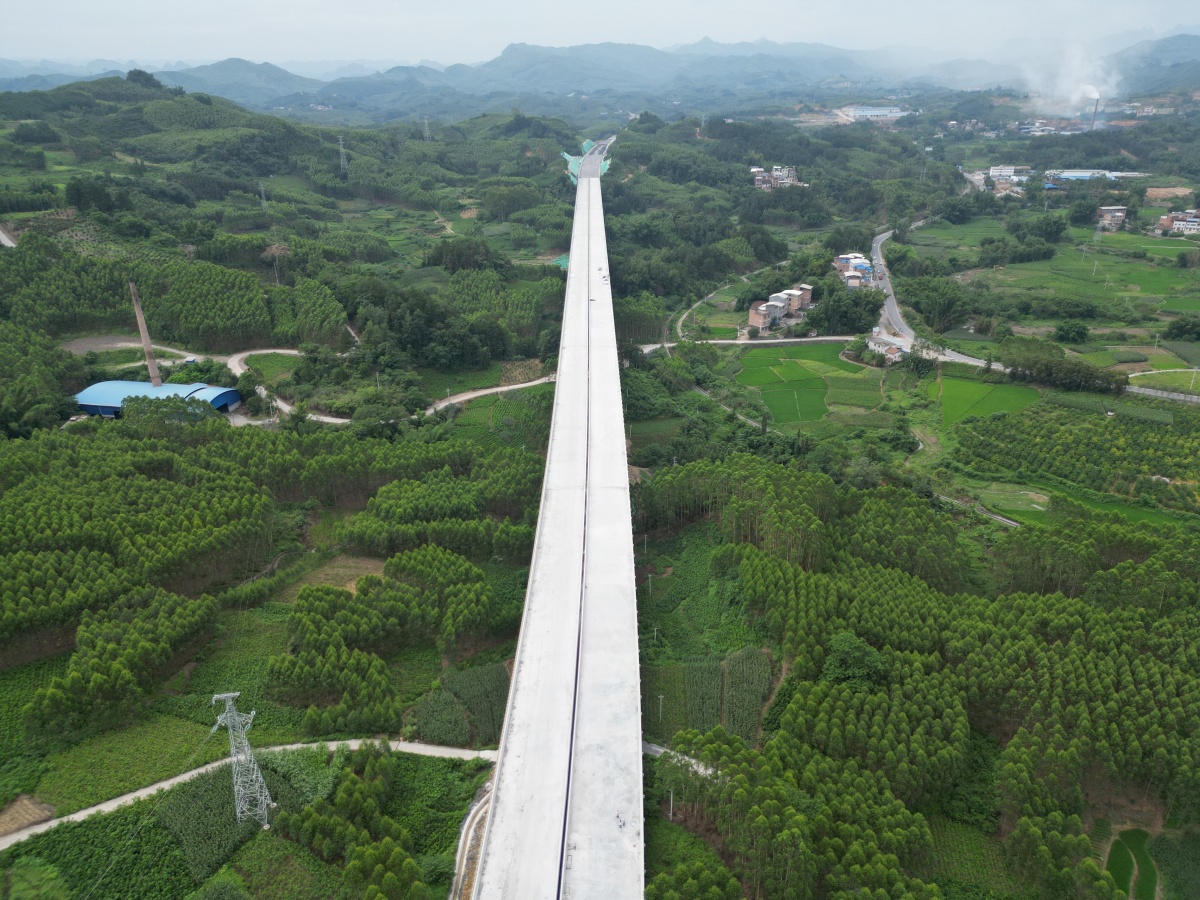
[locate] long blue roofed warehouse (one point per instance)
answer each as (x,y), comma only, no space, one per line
(105,398)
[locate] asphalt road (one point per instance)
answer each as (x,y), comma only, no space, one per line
(891,309)
(891,316)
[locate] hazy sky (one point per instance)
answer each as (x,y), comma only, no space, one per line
(475,30)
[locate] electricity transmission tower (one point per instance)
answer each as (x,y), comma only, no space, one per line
(425,132)
(262,190)
(342,153)
(250,795)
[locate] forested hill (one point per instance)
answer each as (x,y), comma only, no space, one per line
(244,230)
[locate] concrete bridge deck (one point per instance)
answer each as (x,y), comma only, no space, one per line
(566,810)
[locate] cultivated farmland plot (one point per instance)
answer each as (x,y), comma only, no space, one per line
(797,382)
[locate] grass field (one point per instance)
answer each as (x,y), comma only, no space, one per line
(245,641)
(967,854)
(274,868)
(1178,859)
(961,398)
(1182,382)
(271,367)
(117,762)
(1162,358)
(944,240)
(1030,503)
(517,418)
(413,670)
(655,431)
(438,384)
(342,571)
(1101,271)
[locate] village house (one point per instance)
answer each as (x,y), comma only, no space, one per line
(798,298)
(779,176)
(855,269)
(767,313)
(1112,217)
(881,343)
(792,303)
(1186,222)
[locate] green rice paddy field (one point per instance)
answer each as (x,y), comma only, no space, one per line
(961,398)
(797,383)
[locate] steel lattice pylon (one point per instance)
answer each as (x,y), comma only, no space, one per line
(250,794)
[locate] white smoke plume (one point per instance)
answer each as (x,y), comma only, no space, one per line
(1069,80)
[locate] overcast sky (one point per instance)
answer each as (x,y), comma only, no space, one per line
(476,30)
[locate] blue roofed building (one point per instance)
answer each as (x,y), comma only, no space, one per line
(105,398)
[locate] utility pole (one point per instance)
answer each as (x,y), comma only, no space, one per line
(250,795)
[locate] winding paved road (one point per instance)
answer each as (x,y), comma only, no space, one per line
(891,320)
(891,309)
(483,392)
(132,796)
(237,365)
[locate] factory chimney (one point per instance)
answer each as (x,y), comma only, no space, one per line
(151,364)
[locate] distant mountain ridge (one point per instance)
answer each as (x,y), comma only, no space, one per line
(613,79)
(239,80)
(1168,64)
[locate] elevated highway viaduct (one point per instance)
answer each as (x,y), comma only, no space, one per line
(566,808)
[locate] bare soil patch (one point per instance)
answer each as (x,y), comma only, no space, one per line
(23,812)
(1167,193)
(41,643)
(342,571)
(1132,805)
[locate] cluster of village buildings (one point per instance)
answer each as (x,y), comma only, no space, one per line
(789,304)
(779,176)
(1186,222)
(855,270)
